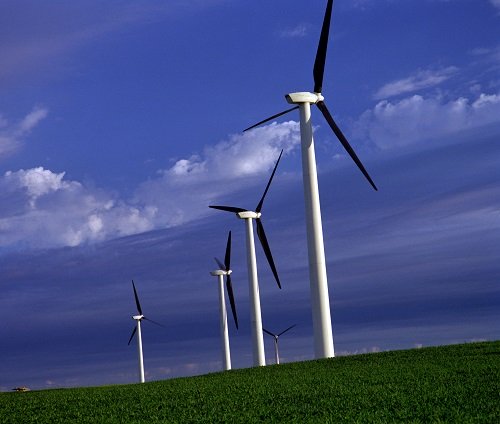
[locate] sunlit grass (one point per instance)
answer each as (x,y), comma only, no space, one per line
(459,383)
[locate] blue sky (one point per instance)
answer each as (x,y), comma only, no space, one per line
(120,122)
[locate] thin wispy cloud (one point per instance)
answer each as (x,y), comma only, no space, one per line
(29,44)
(361,4)
(496,3)
(49,32)
(12,135)
(296,32)
(489,56)
(422,79)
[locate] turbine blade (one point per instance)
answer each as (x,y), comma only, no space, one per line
(319,62)
(228,209)
(268,332)
(324,110)
(289,328)
(230,294)
(138,304)
(259,206)
(270,118)
(267,250)
(219,263)
(227,258)
(154,322)
(132,336)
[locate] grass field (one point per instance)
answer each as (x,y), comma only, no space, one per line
(456,384)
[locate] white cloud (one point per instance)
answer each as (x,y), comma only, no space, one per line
(184,191)
(12,135)
(420,80)
(40,208)
(37,182)
(416,118)
(242,155)
(51,211)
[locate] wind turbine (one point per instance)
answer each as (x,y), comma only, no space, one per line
(225,269)
(138,318)
(276,337)
(320,301)
(259,357)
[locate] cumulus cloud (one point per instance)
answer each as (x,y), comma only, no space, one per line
(417,118)
(12,135)
(37,182)
(186,189)
(41,208)
(241,155)
(51,211)
(419,81)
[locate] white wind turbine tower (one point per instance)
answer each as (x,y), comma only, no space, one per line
(259,357)
(320,301)
(138,318)
(225,270)
(276,337)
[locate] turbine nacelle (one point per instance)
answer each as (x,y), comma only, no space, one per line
(225,269)
(218,272)
(256,215)
(304,97)
(316,98)
(138,317)
(249,215)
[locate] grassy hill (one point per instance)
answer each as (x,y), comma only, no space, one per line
(459,383)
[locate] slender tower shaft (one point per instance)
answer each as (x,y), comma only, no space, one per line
(259,357)
(226,353)
(276,352)
(139,350)
(320,301)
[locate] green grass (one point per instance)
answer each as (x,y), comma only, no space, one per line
(456,384)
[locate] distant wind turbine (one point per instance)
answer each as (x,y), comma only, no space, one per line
(259,357)
(276,337)
(320,301)
(138,318)
(225,269)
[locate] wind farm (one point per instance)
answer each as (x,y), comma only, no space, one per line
(259,356)
(340,389)
(121,146)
